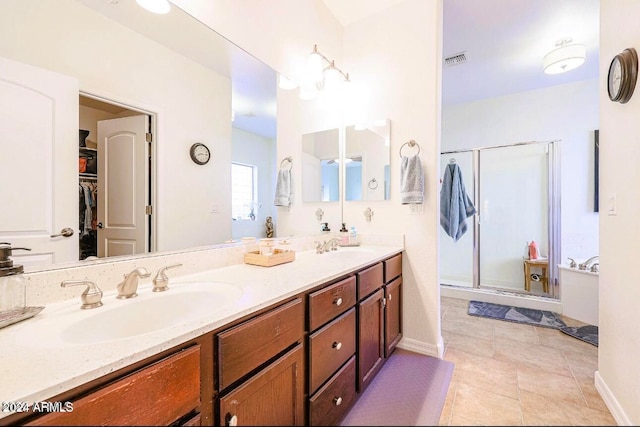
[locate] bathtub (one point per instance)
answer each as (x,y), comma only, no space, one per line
(579,294)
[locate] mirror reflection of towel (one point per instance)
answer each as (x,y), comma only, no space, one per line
(284,188)
(455,205)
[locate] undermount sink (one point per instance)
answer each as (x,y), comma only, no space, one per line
(121,319)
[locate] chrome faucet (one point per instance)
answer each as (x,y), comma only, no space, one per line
(161,281)
(327,245)
(587,263)
(91,297)
(128,287)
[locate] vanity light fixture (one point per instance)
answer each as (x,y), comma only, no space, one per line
(285,83)
(565,57)
(323,74)
(160,7)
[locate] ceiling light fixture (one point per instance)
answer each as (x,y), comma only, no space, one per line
(155,6)
(565,57)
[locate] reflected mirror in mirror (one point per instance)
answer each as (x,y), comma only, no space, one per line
(320,166)
(367,156)
(191,74)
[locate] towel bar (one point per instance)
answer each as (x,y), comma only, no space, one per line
(287,159)
(411,143)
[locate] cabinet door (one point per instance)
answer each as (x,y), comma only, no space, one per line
(392,315)
(370,338)
(273,397)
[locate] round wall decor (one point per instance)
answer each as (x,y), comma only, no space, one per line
(622,76)
(200,153)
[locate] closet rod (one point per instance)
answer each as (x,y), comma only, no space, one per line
(500,146)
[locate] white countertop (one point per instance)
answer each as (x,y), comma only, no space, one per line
(32,370)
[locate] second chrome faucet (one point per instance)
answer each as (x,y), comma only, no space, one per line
(129,286)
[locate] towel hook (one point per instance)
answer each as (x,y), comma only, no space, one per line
(411,143)
(287,159)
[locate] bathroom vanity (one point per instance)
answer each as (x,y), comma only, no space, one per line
(297,347)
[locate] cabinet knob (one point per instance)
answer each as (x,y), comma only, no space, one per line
(232,420)
(337,345)
(338,301)
(389,297)
(337,401)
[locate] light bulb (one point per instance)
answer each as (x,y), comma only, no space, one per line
(314,66)
(286,84)
(155,6)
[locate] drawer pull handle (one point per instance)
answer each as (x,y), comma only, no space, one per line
(232,420)
(337,345)
(338,301)
(337,401)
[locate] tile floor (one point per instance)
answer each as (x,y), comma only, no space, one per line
(517,375)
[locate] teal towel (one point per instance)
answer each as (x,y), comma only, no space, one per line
(455,205)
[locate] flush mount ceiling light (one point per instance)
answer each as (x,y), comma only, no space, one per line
(564,58)
(156,6)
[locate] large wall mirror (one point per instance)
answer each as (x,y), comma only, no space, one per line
(196,86)
(367,158)
(320,166)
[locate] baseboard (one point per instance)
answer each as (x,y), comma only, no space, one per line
(422,347)
(610,400)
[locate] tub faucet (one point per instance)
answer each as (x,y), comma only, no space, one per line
(587,263)
(128,287)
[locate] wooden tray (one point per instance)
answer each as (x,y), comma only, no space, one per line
(279,257)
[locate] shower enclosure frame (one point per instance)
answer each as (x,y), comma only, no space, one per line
(553,211)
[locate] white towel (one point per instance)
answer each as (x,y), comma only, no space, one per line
(284,188)
(411,180)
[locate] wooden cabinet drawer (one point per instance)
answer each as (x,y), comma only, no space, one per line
(392,267)
(331,301)
(329,405)
(330,347)
(155,395)
(252,343)
(369,280)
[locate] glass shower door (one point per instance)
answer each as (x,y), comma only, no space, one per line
(514,211)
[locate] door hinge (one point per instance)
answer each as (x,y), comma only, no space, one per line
(149,137)
(148,210)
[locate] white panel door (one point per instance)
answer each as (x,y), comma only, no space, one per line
(39,163)
(122,186)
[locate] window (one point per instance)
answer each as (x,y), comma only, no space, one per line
(243,191)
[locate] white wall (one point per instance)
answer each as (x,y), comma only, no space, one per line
(618,368)
(193,104)
(396,55)
(568,113)
(255,150)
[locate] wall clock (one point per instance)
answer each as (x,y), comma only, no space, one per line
(200,153)
(623,73)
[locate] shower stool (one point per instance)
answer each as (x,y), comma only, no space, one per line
(541,263)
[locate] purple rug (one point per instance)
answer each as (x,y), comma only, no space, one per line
(409,390)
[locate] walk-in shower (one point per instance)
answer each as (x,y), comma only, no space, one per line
(515,190)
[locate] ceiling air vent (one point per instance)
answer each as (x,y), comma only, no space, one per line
(458,58)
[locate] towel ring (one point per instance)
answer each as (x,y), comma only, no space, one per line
(373,184)
(287,159)
(411,143)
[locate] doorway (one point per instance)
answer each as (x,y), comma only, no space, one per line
(513,189)
(116,192)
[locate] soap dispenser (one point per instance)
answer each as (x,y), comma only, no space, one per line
(12,286)
(344,235)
